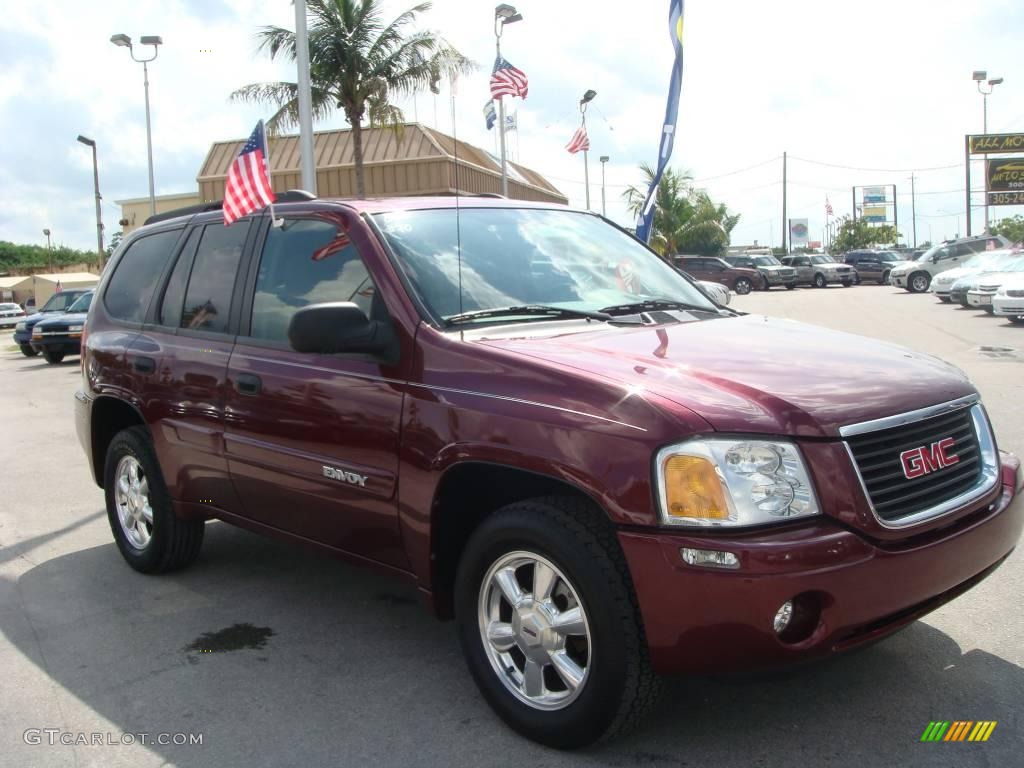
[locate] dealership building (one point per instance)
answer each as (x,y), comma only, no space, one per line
(416,160)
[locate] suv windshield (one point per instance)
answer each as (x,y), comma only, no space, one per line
(822,259)
(82,305)
(59,302)
(519,257)
(767,261)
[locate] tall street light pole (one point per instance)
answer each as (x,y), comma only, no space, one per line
(587,98)
(604,162)
(156,41)
(503,14)
(96,188)
(306,159)
(980,77)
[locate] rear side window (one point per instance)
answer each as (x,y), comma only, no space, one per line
(131,286)
(212,282)
(174,293)
(308,261)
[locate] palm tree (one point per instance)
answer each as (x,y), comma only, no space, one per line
(685,219)
(356,64)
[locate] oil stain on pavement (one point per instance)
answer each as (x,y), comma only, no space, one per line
(234,638)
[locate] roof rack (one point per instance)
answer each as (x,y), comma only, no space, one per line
(291,196)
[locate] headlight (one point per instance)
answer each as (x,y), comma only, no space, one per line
(74,328)
(723,482)
(37,331)
(19,327)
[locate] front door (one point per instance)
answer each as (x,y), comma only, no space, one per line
(312,440)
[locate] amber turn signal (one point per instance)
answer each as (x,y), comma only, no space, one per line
(693,489)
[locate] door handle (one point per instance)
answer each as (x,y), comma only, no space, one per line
(248,384)
(143,364)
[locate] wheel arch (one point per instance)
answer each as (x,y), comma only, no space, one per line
(108,416)
(466,494)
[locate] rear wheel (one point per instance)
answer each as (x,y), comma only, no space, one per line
(820,281)
(27,351)
(743,286)
(53,358)
(919,282)
(147,532)
(549,623)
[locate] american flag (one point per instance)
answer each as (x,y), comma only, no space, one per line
(828,207)
(248,186)
(340,242)
(506,80)
(579,141)
(60,288)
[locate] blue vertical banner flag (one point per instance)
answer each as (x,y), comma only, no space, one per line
(668,131)
(490,116)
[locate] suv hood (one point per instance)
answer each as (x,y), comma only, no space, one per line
(754,374)
(64,318)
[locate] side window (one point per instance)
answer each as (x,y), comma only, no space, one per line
(174,293)
(131,286)
(208,298)
(308,261)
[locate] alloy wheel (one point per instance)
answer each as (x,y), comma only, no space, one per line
(534,630)
(131,497)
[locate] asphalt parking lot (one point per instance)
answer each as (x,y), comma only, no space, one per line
(340,666)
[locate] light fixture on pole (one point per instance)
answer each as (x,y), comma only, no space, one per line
(503,14)
(156,41)
(47,233)
(981,78)
(96,188)
(587,98)
(604,161)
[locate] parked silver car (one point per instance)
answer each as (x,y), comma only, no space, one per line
(819,270)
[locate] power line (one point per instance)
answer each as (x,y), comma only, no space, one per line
(877,170)
(739,170)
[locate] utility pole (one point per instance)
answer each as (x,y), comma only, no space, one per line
(785,221)
(913,208)
(306,161)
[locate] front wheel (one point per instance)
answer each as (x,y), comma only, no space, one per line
(885,279)
(820,281)
(150,536)
(549,623)
(945,299)
(53,358)
(743,286)
(919,282)
(856,278)
(27,351)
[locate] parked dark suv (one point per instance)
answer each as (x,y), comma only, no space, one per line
(872,265)
(520,409)
(716,270)
(57,304)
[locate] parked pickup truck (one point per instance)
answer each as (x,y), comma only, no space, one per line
(600,474)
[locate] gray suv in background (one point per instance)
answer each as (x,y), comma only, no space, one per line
(771,269)
(819,270)
(872,265)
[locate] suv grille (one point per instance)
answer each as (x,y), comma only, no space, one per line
(880,459)
(786,272)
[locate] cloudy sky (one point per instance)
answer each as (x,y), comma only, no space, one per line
(857,93)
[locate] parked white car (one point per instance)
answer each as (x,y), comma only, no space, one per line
(916,276)
(717,291)
(990,261)
(987,284)
(10,314)
(1009,300)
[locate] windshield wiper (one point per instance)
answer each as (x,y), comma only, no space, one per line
(653,304)
(527,310)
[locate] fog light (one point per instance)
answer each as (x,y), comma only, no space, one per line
(782,617)
(710,558)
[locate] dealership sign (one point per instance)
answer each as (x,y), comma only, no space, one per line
(875,195)
(995,144)
(1006,198)
(1005,174)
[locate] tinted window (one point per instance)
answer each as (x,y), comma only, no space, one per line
(174,293)
(81,304)
(308,261)
(131,286)
(208,298)
(713,265)
(59,302)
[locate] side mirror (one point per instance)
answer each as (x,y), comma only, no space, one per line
(338,326)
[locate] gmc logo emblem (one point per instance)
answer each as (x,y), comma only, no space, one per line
(925,460)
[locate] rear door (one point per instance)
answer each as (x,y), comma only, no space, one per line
(312,439)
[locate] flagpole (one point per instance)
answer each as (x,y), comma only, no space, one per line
(274,221)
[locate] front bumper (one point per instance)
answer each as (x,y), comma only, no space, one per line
(22,337)
(774,279)
(979,299)
(899,280)
(700,620)
(1007,306)
(69,345)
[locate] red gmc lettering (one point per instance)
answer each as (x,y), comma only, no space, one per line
(925,460)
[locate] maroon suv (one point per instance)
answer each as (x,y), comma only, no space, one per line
(553,434)
(740,279)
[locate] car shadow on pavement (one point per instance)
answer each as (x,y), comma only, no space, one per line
(347,668)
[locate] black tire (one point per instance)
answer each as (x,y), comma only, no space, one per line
(790,286)
(885,278)
(820,281)
(743,286)
(919,282)
(856,278)
(989,310)
(174,542)
(945,299)
(27,351)
(1018,320)
(620,688)
(53,358)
